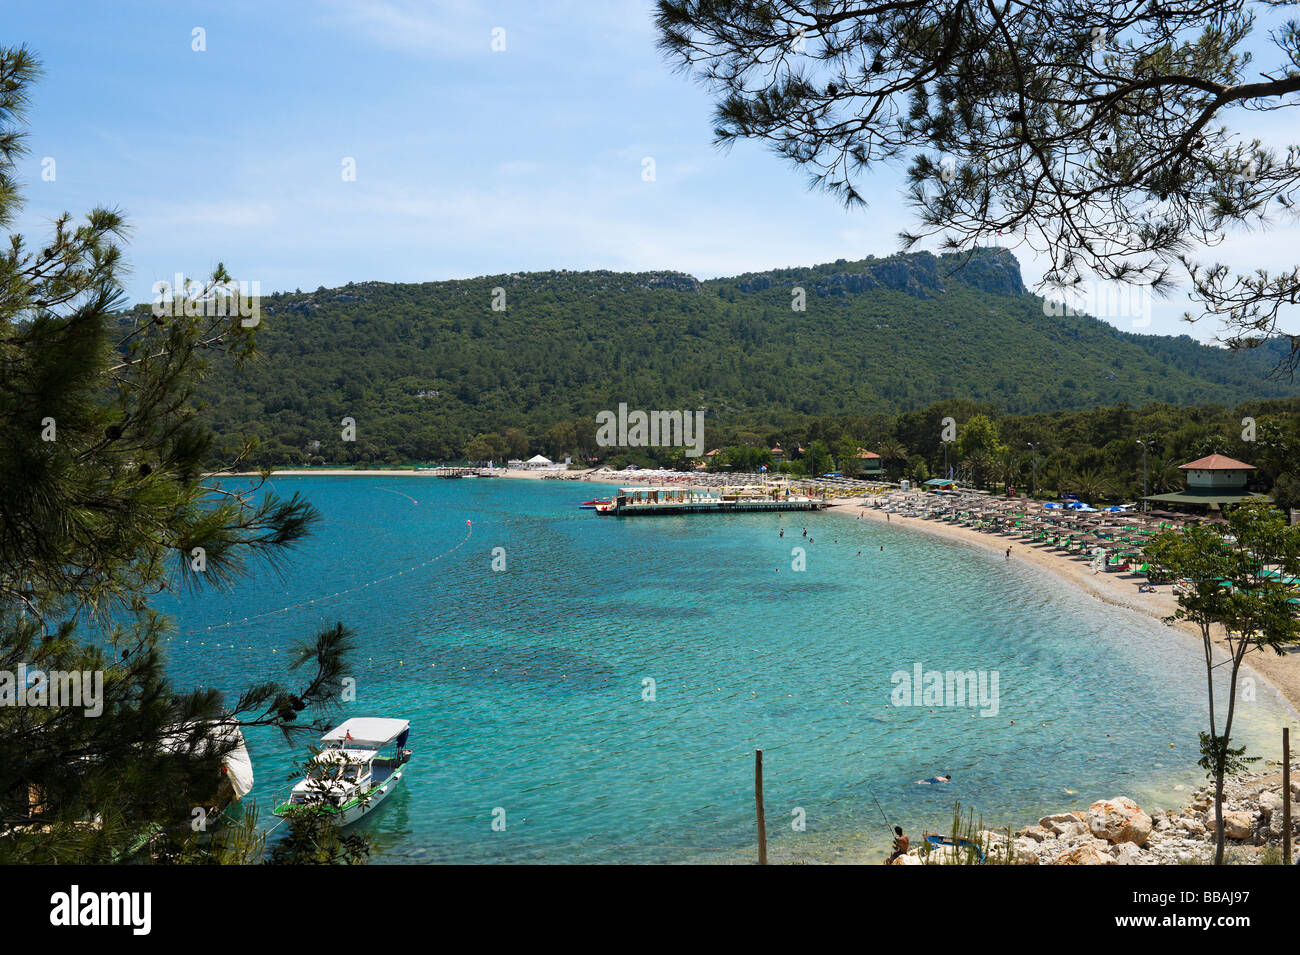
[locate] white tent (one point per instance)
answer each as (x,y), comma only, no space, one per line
(537,461)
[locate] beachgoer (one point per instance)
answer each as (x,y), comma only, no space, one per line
(901,844)
(1008,553)
(935,780)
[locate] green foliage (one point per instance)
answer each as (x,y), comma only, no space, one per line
(1217,757)
(426,369)
(1286,492)
(1233,579)
(102,506)
(314,840)
(1109,136)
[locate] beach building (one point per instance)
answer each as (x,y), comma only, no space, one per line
(537,462)
(1212,482)
(872,465)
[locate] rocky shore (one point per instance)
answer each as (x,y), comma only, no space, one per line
(1119,832)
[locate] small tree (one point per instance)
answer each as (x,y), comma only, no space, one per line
(818,459)
(1233,584)
(1286,493)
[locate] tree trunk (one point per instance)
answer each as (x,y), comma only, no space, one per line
(1218,811)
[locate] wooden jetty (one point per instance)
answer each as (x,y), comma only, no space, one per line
(635,501)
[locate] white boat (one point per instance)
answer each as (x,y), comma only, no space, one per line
(360,764)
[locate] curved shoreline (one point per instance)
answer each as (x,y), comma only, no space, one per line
(1279,675)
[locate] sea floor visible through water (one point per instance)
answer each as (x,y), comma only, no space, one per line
(601,684)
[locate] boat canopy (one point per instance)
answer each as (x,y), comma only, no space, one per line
(366,732)
(237,765)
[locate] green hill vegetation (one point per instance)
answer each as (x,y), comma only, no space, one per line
(433,372)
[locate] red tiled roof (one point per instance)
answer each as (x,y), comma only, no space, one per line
(863,453)
(1216,462)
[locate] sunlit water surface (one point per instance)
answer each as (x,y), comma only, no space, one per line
(525,687)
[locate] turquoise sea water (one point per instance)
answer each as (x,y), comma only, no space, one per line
(525,686)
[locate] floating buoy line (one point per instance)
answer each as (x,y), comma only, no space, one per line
(469,531)
(389,490)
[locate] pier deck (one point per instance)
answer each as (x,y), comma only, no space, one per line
(632,502)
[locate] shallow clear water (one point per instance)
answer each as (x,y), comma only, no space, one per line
(524,687)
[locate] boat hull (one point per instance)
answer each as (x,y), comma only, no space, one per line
(354,810)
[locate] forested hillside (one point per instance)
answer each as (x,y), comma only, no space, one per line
(424,368)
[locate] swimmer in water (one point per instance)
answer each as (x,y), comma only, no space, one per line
(935,780)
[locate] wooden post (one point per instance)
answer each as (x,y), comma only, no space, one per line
(758,802)
(1286,795)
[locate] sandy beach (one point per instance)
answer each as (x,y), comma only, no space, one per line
(1278,674)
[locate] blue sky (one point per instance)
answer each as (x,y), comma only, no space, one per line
(468,161)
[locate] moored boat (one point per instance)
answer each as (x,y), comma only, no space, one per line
(361,762)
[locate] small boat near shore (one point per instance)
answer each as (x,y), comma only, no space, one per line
(961,844)
(360,763)
(594,504)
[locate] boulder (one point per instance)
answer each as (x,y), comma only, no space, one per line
(1061,821)
(1269,803)
(907,859)
(1084,855)
(1119,820)
(1026,852)
(941,855)
(1237,823)
(1037,833)
(1126,853)
(1275,827)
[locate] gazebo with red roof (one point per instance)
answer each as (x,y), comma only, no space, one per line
(1212,481)
(870,462)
